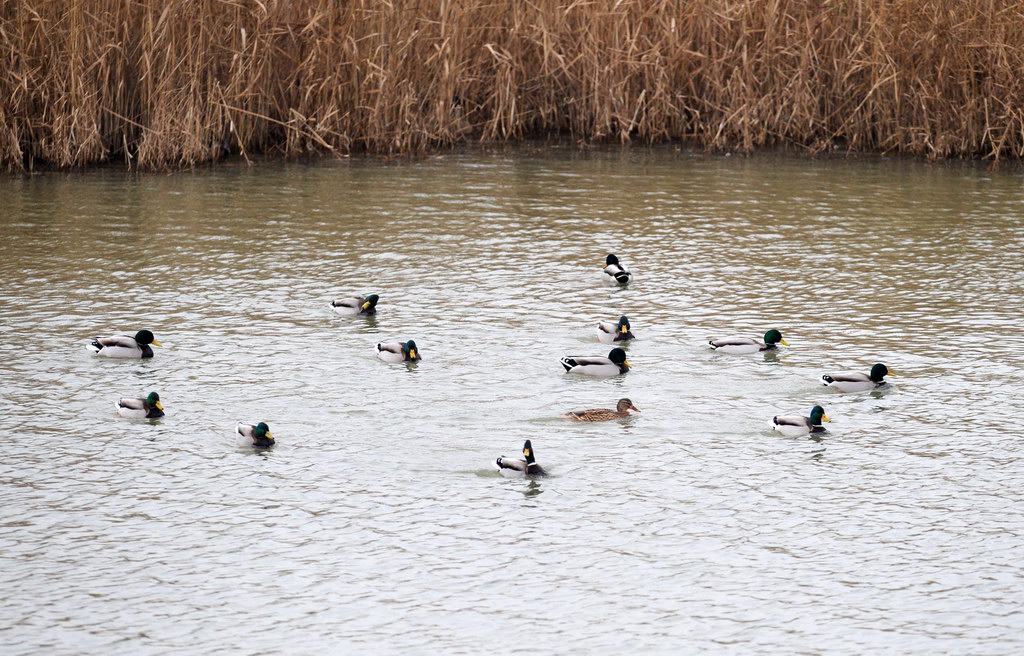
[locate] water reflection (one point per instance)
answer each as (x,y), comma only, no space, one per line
(533,488)
(378,478)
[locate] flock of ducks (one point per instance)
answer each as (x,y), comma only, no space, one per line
(614,364)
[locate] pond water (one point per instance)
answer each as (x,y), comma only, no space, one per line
(377,524)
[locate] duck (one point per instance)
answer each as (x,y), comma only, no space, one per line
(748,344)
(609,333)
(613,365)
(796,426)
(516,468)
(254,435)
(615,273)
(365,306)
(621,411)
(854,381)
(398,352)
(123,346)
(142,408)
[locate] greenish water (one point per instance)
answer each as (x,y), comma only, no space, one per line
(377,523)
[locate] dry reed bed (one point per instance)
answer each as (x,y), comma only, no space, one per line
(163,83)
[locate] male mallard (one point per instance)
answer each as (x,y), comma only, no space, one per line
(147,408)
(257,435)
(123,346)
(398,352)
(795,425)
(609,333)
(355,305)
(510,468)
(615,273)
(748,344)
(854,381)
(621,411)
(613,365)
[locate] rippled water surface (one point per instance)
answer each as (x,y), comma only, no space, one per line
(377,524)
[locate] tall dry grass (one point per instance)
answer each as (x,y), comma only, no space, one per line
(162,83)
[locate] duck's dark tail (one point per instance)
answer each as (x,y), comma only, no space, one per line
(568,363)
(828,380)
(622,277)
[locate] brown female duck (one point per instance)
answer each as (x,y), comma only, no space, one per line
(603,414)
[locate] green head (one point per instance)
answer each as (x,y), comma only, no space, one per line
(153,401)
(262,431)
(774,337)
(145,337)
(623,324)
(370,301)
(818,415)
(611,259)
(528,452)
(409,350)
(618,356)
(880,371)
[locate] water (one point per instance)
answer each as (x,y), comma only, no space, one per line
(377,525)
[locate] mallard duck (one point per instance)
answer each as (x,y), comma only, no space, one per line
(366,305)
(123,346)
(615,273)
(147,408)
(609,333)
(398,352)
(254,435)
(621,411)
(748,344)
(854,381)
(510,468)
(795,425)
(613,365)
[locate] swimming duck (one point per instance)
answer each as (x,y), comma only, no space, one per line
(795,425)
(398,352)
(615,273)
(621,411)
(748,344)
(364,306)
(613,365)
(123,346)
(147,408)
(609,333)
(257,435)
(854,381)
(510,468)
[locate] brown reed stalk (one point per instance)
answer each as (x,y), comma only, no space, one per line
(170,83)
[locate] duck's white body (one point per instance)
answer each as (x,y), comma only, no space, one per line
(393,352)
(519,468)
(119,346)
(245,435)
(592,366)
(366,306)
(616,274)
(609,333)
(511,468)
(798,425)
(737,345)
(390,352)
(347,306)
(136,409)
(793,425)
(851,381)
